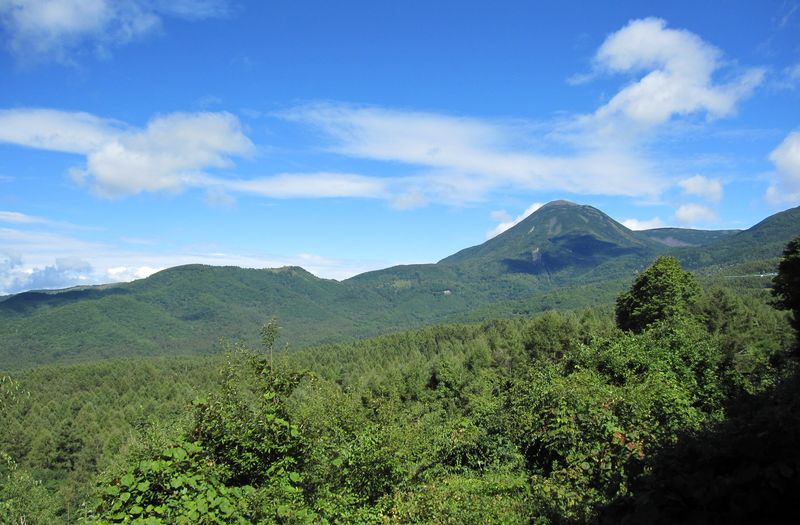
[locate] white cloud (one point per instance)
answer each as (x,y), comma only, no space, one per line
(58,29)
(647,224)
(461,159)
(21,218)
(129,273)
(457,160)
(69,132)
(66,272)
(692,214)
(786,158)
(311,185)
(173,151)
(506,222)
(678,67)
(41,259)
(710,189)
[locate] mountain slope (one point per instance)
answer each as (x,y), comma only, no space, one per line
(560,234)
(764,241)
(684,237)
(562,255)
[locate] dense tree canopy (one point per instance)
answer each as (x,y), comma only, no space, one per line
(546,420)
(786,285)
(662,291)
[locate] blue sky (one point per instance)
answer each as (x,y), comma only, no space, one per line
(348,136)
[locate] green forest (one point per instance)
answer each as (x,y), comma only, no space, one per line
(565,256)
(678,403)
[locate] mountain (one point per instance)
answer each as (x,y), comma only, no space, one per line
(564,255)
(683,237)
(764,241)
(558,236)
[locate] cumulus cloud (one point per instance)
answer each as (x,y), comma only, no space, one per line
(58,29)
(173,151)
(507,222)
(170,153)
(710,189)
(693,214)
(8,261)
(785,187)
(67,271)
(678,69)
(42,259)
(646,224)
(129,273)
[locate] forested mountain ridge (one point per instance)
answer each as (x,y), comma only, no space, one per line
(685,237)
(573,251)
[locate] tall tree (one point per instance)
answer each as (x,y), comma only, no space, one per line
(662,291)
(786,285)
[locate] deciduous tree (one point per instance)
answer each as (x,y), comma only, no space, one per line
(662,291)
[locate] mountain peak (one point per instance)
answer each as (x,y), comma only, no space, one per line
(559,202)
(561,234)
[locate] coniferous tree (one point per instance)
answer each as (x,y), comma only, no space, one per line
(786,285)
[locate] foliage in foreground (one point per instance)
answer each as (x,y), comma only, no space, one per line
(550,419)
(543,421)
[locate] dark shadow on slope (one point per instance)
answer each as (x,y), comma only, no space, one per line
(27,302)
(745,471)
(570,251)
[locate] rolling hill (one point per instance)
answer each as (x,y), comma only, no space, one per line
(563,255)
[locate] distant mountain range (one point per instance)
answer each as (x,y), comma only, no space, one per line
(562,255)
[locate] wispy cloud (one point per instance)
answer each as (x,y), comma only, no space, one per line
(15,217)
(448,159)
(457,159)
(310,185)
(785,187)
(788,78)
(21,218)
(58,30)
